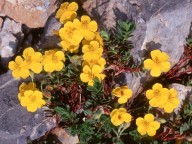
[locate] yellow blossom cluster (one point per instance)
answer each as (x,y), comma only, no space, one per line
(83,32)
(33,62)
(119,116)
(30,97)
(164,98)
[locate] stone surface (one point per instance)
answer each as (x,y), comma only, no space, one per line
(10,37)
(1,22)
(16,124)
(33,13)
(63,137)
(160,24)
(48,39)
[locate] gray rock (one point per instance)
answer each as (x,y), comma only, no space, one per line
(16,124)
(33,13)
(48,39)
(10,37)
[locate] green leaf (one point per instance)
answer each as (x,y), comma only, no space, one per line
(105,35)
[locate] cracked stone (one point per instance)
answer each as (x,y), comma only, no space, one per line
(33,13)
(16,124)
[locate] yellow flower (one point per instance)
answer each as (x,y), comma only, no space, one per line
(97,38)
(94,61)
(32,100)
(147,125)
(71,37)
(19,68)
(92,49)
(86,27)
(159,63)
(124,93)
(157,95)
(33,59)
(172,102)
(53,60)
(67,12)
(118,116)
(89,74)
(24,87)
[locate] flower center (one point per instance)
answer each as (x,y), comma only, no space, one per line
(32,98)
(146,124)
(120,116)
(122,93)
(157,60)
(54,58)
(85,24)
(156,92)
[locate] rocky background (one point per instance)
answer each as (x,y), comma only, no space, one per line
(163,24)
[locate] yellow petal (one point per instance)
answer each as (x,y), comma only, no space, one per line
(92,26)
(36,67)
(72,6)
(149,64)
(155,54)
(59,55)
(149,117)
(28,52)
(12,65)
(37,56)
(114,112)
(157,86)
(85,49)
(155,72)
(168,108)
(155,125)
(49,67)
(24,73)
(96,70)
(122,100)
(127,93)
(117,92)
(127,117)
(76,23)
(154,102)
(86,69)
(122,110)
(141,130)
(91,82)
(139,121)
(85,77)
(151,131)
(18,60)
(165,66)
(115,121)
(38,94)
(59,66)
(88,35)
(85,18)
(100,76)
(16,74)
(31,108)
(24,101)
(62,9)
(149,94)
(164,57)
